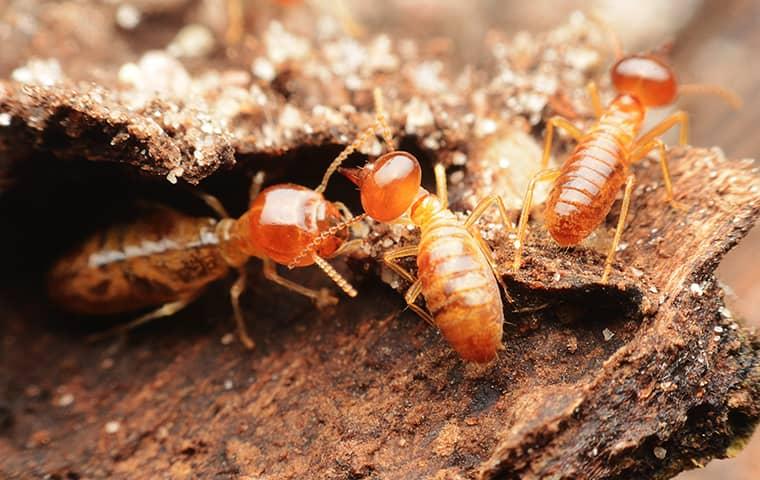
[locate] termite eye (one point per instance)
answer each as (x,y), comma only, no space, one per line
(390,185)
(645,77)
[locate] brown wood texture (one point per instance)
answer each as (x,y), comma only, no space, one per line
(641,378)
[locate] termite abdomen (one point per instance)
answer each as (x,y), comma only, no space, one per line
(584,192)
(460,290)
(163,256)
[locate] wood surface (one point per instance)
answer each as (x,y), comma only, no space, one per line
(643,377)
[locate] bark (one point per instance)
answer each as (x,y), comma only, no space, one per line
(640,378)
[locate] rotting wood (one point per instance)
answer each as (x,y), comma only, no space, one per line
(643,378)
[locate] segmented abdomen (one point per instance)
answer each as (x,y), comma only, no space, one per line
(460,289)
(163,257)
(587,186)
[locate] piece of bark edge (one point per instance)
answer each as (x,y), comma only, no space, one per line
(640,378)
(687,387)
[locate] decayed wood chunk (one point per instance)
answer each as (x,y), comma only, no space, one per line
(643,377)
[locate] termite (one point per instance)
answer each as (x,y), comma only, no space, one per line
(457,275)
(586,185)
(167,258)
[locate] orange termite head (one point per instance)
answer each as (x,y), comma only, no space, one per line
(647,78)
(284,219)
(388,186)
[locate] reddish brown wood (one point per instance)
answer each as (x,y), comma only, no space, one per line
(644,377)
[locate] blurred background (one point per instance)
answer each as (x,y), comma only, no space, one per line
(712,42)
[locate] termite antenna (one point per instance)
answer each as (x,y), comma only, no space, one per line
(336,277)
(360,140)
(728,96)
(381,124)
(235,22)
(312,247)
(380,111)
(617,45)
(256,182)
(343,13)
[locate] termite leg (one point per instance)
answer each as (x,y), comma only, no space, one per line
(415,289)
(347,247)
(213,203)
(474,216)
(642,151)
(344,210)
(351,245)
(557,122)
(482,206)
(489,258)
(347,217)
(390,257)
(256,182)
(441,189)
(166,310)
(619,228)
(235,291)
(321,297)
(596,102)
(678,118)
(542,176)
(411,297)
